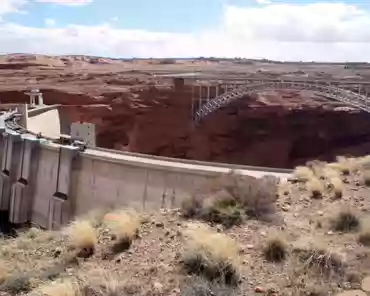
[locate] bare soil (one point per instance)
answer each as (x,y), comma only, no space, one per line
(152,265)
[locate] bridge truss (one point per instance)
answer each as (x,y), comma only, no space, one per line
(208,99)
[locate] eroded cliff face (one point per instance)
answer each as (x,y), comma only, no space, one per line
(276,130)
(251,131)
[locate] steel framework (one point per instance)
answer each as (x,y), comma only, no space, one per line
(331,92)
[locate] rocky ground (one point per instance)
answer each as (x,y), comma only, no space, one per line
(315,242)
(135,110)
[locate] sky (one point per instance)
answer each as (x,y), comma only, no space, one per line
(286,30)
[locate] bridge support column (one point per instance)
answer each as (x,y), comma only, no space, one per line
(12,146)
(61,203)
(22,191)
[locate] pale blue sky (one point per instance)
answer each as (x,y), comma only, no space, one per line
(153,15)
(320,30)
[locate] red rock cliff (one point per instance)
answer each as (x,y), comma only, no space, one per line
(250,131)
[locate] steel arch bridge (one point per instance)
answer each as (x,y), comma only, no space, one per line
(330,92)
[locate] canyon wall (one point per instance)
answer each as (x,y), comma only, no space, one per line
(276,130)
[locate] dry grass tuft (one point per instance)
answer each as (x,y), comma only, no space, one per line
(3,272)
(222,208)
(303,173)
(82,236)
(65,287)
(125,226)
(100,282)
(16,284)
(191,206)
(212,255)
(321,258)
(364,236)
(345,165)
(366,177)
(233,196)
(284,188)
(329,173)
(275,249)
(201,287)
(337,185)
(345,221)
(96,216)
(318,168)
(315,187)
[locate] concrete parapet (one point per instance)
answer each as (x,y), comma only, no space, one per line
(12,147)
(23,189)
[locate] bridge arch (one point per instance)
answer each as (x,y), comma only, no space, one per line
(330,92)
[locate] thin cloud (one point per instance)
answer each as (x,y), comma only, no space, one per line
(50,22)
(310,32)
(11,6)
(263,1)
(67,2)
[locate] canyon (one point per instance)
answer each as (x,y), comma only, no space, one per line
(135,109)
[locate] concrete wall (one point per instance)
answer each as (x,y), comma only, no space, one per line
(47,124)
(49,184)
(84,131)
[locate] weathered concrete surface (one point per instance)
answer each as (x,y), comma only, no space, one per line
(47,123)
(59,182)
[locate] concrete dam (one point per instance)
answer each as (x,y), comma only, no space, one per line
(47,178)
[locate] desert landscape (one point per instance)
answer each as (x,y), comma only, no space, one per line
(234,235)
(135,108)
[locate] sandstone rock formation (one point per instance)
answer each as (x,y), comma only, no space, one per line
(136,111)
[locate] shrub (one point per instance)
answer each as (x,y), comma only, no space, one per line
(167,61)
(191,206)
(212,255)
(256,195)
(125,226)
(330,173)
(230,197)
(275,249)
(83,237)
(222,208)
(364,236)
(345,221)
(321,258)
(366,177)
(3,272)
(16,285)
(201,287)
(318,168)
(65,287)
(303,173)
(315,187)
(283,188)
(100,282)
(337,185)
(345,165)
